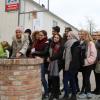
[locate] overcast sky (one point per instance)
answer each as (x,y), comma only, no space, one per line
(76,12)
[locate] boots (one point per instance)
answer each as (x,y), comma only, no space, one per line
(73,97)
(66,97)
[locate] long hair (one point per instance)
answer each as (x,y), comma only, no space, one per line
(34,35)
(88,35)
(60,40)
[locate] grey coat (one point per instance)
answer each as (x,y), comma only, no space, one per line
(20,45)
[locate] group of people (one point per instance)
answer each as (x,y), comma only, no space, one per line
(70,53)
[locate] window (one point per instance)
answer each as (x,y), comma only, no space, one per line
(55,23)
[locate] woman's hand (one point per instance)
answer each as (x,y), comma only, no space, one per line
(18,55)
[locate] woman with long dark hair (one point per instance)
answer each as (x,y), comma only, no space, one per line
(55,56)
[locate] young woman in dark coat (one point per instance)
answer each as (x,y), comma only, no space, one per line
(97,72)
(55,57)
(72,63)
(64,40)
(41,48)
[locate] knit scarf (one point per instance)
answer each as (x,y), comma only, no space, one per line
(40,44)
(67,53)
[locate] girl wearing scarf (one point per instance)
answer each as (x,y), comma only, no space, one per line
(40,48)
(72,63)
(55,52)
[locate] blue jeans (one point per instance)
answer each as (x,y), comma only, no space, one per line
(43,79)
(69,77)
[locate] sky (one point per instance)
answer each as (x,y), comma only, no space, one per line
(76,12)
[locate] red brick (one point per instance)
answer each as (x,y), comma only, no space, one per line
(20,79)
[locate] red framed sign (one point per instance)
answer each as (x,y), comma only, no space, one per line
(11,5)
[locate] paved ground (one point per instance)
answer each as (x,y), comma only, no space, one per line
(92,80)
(95,97)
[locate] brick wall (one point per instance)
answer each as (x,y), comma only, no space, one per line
(20,79)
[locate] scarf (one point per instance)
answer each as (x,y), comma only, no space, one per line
(67,53)
(55,47)
(53,65)
(40,44)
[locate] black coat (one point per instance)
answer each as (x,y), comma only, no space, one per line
(75,63)
(43,53)
(98,49)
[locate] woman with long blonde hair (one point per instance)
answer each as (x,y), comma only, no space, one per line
(89,61)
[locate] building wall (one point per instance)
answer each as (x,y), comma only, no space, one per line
(49,23)
(27,20)
(8,23)
(44,20)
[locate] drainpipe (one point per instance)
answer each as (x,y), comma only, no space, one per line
(48,4)
(19,12)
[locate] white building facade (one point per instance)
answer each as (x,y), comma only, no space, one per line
(43,19)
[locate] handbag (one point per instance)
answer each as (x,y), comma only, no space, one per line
(97,69)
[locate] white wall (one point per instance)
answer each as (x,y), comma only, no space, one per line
(26,20)
(8,23)
(9,20)
(48,23)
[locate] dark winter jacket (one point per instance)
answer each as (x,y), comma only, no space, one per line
(75,63)
(98,49)
(41,49)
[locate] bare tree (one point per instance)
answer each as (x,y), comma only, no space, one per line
(91,27)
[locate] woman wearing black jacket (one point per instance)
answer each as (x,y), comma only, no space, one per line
(72,63)
(40,48)
(55,57)
(97,72)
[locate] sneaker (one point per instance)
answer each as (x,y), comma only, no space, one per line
(89,95)
(82,96)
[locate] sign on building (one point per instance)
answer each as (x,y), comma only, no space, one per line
(11,5)
(34,14)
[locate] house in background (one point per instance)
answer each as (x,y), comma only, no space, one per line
(31,15)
